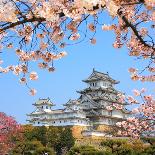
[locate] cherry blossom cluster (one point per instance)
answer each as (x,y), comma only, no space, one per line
(142,121)
(135,76)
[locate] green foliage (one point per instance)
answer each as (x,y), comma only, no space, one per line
(53,136)
(126,147)
(40,134)
(31,148)
(84,150)
(116,145)
(150,140)
(40,139)
(43,150)
(58,140)
(28,132)
(111,142)
(65,141)
(150,150)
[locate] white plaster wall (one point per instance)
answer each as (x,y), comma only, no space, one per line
(67,115)
(118,114)
(69,122)
(104,112)
(88,133)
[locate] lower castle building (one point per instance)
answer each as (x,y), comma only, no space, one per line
(89,112)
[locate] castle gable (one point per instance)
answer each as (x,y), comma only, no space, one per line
(86,101)
(67,109)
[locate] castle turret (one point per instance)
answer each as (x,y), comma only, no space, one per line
(40,115)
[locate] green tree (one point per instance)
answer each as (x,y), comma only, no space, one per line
(40,133)
(126,147)
(58,138)
(31,148)
(84,150)
(65,142)
(113,144)
(53,136)
(28,132)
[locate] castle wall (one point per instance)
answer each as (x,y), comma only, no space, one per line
(118,113)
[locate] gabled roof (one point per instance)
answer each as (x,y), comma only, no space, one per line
(45,101)
(95,76)
(89,98)
(93,89)
(72,102)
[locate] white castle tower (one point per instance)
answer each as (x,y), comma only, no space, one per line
(99,94)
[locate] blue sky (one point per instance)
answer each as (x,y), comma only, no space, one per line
(62,85)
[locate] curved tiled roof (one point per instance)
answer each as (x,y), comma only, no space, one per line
(96,75)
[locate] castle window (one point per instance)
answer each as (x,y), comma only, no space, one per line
(110,113)
(38,122)
(46,107)
(42,107)
(60,121)
(54,122)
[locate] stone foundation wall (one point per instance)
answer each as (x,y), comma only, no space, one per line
(76,131)
(103,128)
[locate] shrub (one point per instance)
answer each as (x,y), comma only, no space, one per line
(84,150)
(150,140)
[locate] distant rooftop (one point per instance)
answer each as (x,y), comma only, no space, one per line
(45,101)
(72,102)
(96,75)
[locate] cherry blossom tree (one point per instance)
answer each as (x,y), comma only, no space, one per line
(142,119)
(9,132)
(38,30)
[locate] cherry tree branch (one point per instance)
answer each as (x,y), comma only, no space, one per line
(129,24)
(31,20)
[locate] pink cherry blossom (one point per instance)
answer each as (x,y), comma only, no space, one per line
(33,76)
(136,92)
(33,92)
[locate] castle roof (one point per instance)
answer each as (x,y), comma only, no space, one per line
(96,75)
(45,101)
(91,89)
(72,102)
